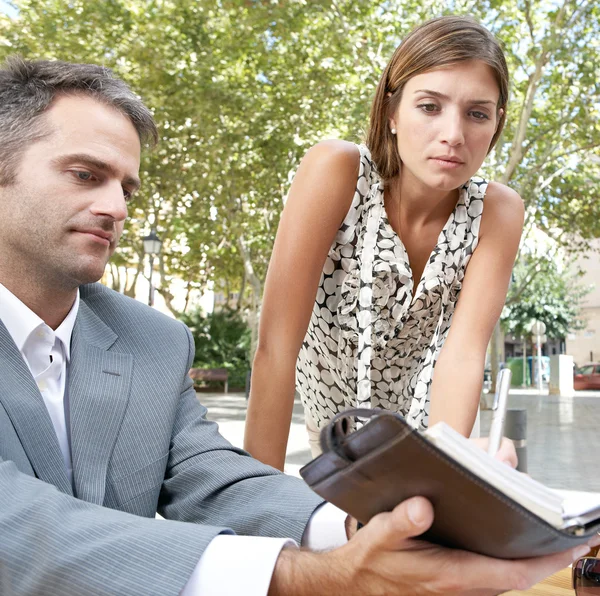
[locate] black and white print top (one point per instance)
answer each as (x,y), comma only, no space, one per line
(369,342)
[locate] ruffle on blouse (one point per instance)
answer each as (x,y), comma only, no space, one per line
(388,298)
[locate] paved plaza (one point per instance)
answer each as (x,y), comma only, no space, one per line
(563,434)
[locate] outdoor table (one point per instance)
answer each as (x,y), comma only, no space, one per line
(558,584)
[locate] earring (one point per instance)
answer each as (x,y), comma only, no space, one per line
(393,131)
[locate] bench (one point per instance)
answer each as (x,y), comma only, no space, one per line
(210,374)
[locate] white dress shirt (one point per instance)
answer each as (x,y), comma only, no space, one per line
(230,564)
(47,354)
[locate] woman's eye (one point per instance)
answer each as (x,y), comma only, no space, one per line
(428,108)
(480,116)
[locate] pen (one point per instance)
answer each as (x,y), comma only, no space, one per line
(499,408)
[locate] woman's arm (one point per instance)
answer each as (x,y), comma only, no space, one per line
(458,374)
(319,199)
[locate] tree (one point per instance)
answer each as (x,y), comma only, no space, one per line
(241,89)
(542,291)
(222,340)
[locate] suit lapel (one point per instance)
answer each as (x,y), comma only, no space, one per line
(25,406)
(98,391)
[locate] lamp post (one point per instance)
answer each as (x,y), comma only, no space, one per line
(152,244)
(538,328)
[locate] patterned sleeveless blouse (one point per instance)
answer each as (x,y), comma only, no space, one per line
(369,342)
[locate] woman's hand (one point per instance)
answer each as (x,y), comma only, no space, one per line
(506,453)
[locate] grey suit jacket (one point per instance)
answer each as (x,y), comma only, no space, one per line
(140,443)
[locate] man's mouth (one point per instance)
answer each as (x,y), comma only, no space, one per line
(98,235)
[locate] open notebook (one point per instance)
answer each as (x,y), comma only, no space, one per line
(480,504)
(561,509)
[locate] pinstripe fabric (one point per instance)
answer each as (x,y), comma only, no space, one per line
(140,443)
(25,407)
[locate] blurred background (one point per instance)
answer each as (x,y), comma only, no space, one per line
(241,89)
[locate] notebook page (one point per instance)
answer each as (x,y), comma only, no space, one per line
(523,489)
(581,507)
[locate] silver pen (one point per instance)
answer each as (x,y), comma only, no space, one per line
(499,410)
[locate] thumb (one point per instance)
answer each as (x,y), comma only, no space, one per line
(408,519)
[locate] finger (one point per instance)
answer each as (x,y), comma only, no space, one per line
(408,519)
(485,572)
(594,541)
(538,568)
(507,453)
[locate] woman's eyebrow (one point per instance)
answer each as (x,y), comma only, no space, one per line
(443,96)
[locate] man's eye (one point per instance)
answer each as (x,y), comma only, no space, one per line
(85,176)
(127,194)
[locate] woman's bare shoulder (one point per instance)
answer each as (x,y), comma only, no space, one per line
(342,157)
(503,197)
(327,177)
(504,209)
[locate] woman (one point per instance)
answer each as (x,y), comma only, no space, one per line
(362,294)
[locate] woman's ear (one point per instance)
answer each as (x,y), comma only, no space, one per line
(500,114)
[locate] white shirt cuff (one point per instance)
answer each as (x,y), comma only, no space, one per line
(236,565)
(326,528)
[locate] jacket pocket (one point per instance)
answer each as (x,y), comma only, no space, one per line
(123,492)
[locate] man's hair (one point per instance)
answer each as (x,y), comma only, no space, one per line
(28,88)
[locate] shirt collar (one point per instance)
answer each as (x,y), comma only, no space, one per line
(20,321)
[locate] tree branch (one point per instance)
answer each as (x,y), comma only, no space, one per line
(529,21)
(516,151)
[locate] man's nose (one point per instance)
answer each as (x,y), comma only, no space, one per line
(111,202)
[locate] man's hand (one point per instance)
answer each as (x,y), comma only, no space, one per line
(385,558)
(351,526)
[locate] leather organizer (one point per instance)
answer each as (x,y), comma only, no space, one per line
(374,468)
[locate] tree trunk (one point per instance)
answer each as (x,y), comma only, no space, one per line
(496,353)
(164,288)
(240,301)
(188,292)
(115,275)
(129,289)
(547,46)
(256,285)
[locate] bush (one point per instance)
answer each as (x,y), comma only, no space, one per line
(222,341)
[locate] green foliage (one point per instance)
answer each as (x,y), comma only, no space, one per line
(222,341)
(541,291)
(240,89)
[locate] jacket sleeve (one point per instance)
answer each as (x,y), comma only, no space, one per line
(56,545)
(209,481)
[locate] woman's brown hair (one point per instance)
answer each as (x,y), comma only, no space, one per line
(436,43)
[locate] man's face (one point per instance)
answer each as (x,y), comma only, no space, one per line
(63,217)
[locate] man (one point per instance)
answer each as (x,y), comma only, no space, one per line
(99,423)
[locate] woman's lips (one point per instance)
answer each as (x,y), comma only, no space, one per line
(449,163)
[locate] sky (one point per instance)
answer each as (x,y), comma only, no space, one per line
(7,9)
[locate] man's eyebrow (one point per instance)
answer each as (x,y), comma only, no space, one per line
(442,96)
(94,162)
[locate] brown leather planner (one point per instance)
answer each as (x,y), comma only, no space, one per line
(372,469)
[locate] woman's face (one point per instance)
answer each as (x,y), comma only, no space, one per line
(445,123)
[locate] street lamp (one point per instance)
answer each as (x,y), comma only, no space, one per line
(538,328)
(152,244)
